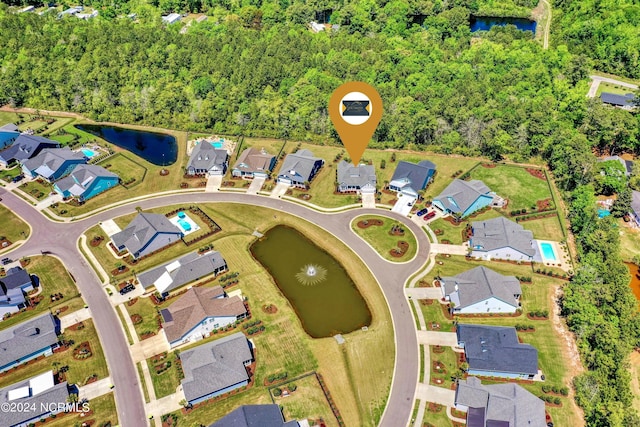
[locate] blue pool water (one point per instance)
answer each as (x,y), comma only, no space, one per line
(88,153)
(217,144)
(603,212)
(484,23)
(184,225)
(158,148)
(548,252)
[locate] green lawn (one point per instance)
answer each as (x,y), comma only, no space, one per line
(102,411)
(382,241)
(143,383)
(130,172)
(7,117)
(629,240)
(8,174)
(36,189)
(166,382)
(54,278)
(453,233)
(34,125)
(448,362)
(13,228)
(149,314)
(79,370)
(307,401)
(437,419)
(514,183)
(545,228)
(612,88)
(358,373)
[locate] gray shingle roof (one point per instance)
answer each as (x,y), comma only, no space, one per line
(181,271)
(81,177)
(497,233)
(16,278)
(463,193)
(625,100)
(38,403)
(206,157)
(356,176)
(194,306)
(25,147)
(499,404)
(480,283)
(254,160)
(254,416)
(142,229)
(215,365)
(51,159)
(27,337)
(497,349)
(635,202)
(10,127)
(412,175)
(298,166)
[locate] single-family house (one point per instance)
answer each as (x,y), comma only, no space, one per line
(361,178)
(465,197)
(199,311)
(25,147)
(147,232)
(498,405)
(500,238)
(87,16)
(481,290)
(52,163)
(635,207)
(39,396)
(255,416)
(28,340)
(12,289)
(253,163)
(216,367)
(171,18)
(625,101)
(85,182)
(71,11)
(494,351)
(8,134)
(626,164)
(299,169)
(410,178)
(205,159)
(27,9)
(182,271)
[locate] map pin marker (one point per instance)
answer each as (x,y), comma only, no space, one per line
(355,109)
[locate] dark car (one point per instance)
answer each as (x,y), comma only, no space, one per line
(422,211)
(17,178)
(429,215)
(5,261)
(130,287)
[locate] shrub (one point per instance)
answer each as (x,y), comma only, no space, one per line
(556,400)
(564,391)
(546,388)
(277,392)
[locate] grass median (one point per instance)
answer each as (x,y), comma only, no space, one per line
(382,239)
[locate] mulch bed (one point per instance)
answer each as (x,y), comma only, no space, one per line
(146,335)
(452,220)
(424,284)
(304,196)
(96,241)
(458,414)
(76,327)
(82,351)
(228,184)
(270,309)
(117,271)
(369,223)
(441,369)
(438,349)
(530,316)
(489,165)
(434,407)
(2,243)
(164,172)
(543,205)
(136,319)
(426,301)
(538,173)
(403,247)
(132,302)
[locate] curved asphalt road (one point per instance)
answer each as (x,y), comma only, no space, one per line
(61,238)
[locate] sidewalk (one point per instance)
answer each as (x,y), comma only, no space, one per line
(158,407)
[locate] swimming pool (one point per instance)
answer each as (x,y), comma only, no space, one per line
(548,252)
(217,144)
(88,153)
(603,212)
(184,225)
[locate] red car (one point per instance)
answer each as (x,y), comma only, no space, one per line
(430,215)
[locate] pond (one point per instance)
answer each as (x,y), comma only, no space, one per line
(484,23)
(157,148)
(318,287)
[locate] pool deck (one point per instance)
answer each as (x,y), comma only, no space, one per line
(175,221)
(562,261)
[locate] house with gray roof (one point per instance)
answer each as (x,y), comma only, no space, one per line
(25,147)
(494,351)
(360,179)
(481,290)
(498,405)
(85,182)
(182,271)
(500,238)
(52,163)
(198,312)
(410,178)
(255,416)
(40,394)
(147,233)
(299,169)
(465,197)
(12,289)
(254,162)
(625,101)
(205,159)
(28,340)
(216,367)
(627,165)
(635,207)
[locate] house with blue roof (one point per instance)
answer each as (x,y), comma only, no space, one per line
(8,134)
(52,163)
(410,178)
(465,197)
(85,182)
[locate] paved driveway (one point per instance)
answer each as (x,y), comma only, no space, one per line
(255,186)
(447,339)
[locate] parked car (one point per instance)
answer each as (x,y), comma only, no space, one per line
(130,287)
(430,215)
(5,261)
(17,178)
(422,211)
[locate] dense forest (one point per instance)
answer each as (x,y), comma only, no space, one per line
(254,67)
